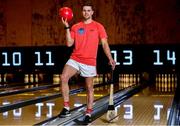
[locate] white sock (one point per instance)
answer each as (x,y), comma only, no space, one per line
(68,108)
(88,114)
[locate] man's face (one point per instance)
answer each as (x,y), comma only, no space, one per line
(87,12)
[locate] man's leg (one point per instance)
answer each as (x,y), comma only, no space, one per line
(90,94)
(67,73)
(90,99)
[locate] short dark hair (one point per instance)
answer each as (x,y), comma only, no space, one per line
(87,3)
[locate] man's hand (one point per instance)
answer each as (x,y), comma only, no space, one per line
(65,22)
(112,63)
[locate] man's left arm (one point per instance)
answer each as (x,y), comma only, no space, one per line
(107,51)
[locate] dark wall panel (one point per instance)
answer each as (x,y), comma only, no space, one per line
(36,22)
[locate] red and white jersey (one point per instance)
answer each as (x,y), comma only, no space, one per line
(86,38)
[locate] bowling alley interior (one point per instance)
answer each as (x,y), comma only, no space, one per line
(144,41)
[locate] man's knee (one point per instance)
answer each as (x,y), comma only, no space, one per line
(64,78)
(90,88)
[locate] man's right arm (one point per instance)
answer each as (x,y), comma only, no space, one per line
(69,40)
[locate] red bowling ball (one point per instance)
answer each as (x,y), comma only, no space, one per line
(66,13)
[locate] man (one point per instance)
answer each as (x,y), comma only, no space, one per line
(85,37)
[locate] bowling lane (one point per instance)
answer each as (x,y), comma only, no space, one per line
(148,107)
(26,88)
(31,91)
(36,113)
(28,95)
(28,115)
